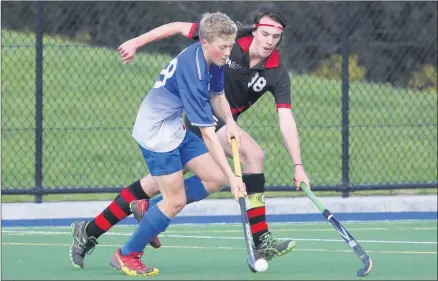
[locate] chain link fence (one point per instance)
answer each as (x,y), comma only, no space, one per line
(364,93)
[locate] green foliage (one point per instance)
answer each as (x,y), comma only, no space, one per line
(391,38)
(425,79)
(331,68)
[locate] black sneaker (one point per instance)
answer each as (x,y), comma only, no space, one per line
(82,244)
(270,247)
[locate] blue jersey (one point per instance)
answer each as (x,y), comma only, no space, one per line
(184,85)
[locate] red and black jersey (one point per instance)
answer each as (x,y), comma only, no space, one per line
(245,85)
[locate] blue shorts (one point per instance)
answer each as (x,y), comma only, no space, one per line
(165,163)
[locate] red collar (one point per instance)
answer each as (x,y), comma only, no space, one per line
(273,61)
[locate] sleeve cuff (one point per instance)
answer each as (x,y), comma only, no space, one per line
(203,125)
(283,105)
(192,30)
(217,93)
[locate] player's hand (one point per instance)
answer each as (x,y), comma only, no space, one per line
(300,176)
(232,130)
(127,51)
(237,187)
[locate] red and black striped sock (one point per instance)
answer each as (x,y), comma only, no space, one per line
(116,211)
(257,220)
(255,187)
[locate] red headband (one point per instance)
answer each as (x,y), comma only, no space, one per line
(270,25)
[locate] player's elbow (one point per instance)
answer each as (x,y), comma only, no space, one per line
(182,28)
(207,133)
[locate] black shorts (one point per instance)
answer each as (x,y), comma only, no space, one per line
(197,131)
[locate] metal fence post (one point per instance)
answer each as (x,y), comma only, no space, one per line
(345,102)
(346,37)
(39,103)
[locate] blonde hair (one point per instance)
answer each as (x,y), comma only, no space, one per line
(216,25)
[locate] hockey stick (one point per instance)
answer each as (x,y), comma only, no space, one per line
(243,214)
(348,238)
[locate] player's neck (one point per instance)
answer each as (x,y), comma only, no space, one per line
(209,62)
(254,57)
(207,59)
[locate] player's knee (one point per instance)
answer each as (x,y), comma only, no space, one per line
(177,203)
(252,156)
(149,186)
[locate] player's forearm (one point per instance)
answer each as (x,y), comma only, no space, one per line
(162,32)
(289,132)
(221,108)
(215,148)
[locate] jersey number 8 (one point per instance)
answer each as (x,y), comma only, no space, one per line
(166,73)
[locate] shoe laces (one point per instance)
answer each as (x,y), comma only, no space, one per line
(87,246)
(269,240)
(90,245)
(135,261)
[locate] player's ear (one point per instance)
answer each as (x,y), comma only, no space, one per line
(204,43)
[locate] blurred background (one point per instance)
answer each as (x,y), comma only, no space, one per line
(364,95)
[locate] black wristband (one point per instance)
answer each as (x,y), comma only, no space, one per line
(298,165)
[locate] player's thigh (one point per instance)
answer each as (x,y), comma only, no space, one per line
(167,171)
(162,163)
(205,168)
(195,157)
(173,192)
(150,185)
(249,150)
(191,147)
(172,187)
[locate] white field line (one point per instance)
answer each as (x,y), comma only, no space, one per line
(316,223)
(221,248)
(49,233)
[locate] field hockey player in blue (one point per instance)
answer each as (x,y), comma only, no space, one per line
(192,82)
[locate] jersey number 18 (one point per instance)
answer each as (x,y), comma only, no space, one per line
(257,83)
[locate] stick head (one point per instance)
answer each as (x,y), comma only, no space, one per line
(367,268)
(251,267)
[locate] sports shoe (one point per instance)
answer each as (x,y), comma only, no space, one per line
(132,264)
(139,209)
(82,244)
(270,247)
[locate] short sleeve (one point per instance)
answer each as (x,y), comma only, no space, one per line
(194,95)
(281,89)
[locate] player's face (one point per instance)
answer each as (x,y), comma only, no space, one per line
(266,38)
(219,49)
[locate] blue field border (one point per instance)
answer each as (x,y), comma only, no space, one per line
(390,216)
